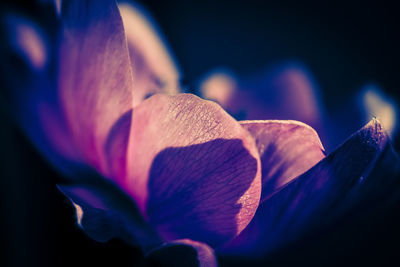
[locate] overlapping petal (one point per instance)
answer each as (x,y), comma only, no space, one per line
(182,167)
(215,187)
(154,70)
(30,90)
(322,194)
(192,169)
(95,78)
(287,149)
(105,212)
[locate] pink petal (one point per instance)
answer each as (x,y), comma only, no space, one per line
(321,195)
(287,149)
(192,169)
(117,144)
(95,79)
(154,70)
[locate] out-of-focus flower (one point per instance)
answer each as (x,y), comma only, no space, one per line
(288,91)
(172,167)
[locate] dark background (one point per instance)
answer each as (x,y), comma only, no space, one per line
(345,45)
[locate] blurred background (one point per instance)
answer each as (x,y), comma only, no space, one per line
(345,46)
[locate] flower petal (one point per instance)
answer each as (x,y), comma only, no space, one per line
(154,70)
(27,40)
(369,102)
(284,92)
(375,103)
(319,196)
(95,79)
(192,169)
(184,252)
(105,212)
(287,149)
(29,89)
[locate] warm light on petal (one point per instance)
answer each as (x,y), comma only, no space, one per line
(29,41)
(154,70)
(324,193)
(219,87)
(79,214)
(377,104)
(286,148)
(95,78)
(192,169)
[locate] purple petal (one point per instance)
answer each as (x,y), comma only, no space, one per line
(95,78)
(184,252)
(154,70)
(117,144)
(285,92)
(287,149)
(192,169)
(105,212)
(30,90)
(319,196)
(27,40)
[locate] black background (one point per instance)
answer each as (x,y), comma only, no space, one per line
(345,45)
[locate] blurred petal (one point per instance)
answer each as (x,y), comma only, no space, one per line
(376,104)
(28,40)
(287,149)
(321,195)
(220,87)
(57,6)
(192,169)
(154,70)
(285,92)
(370,102)
(184,252)
(95,79)
(105,212)
(29,89)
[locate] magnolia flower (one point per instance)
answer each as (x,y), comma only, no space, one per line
(160,169)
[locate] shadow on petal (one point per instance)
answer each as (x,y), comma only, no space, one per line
(186,157)
(74,245)
(116,145)
(106,212)
(322,195)
(195,191)
(287,149)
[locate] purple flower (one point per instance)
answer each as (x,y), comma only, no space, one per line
(149,165)
(289,91)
